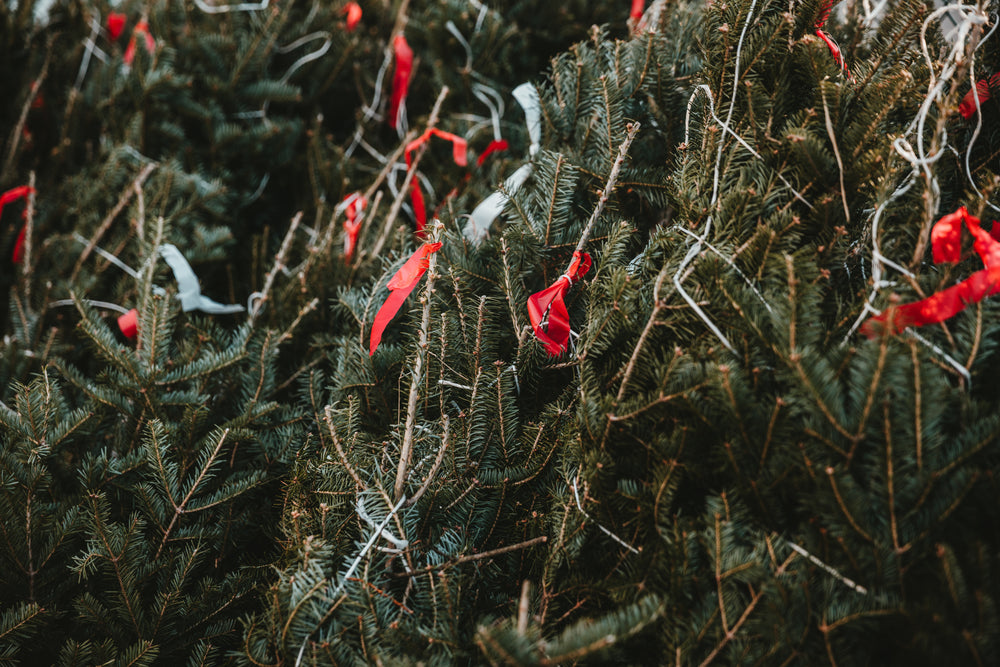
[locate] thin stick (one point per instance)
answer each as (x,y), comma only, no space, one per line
(257,299)
(406,452)
(474,557)
(836,153)
(123,201)
(29,224)
(15,136)
(404,190)
(434,468)
(632,129)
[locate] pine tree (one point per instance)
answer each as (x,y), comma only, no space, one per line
(734,458)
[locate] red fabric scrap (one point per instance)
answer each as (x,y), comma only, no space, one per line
(129,323)
(495,146)
(638,6)
(547,309)
(400,77)
(352,223)
(141,28)
(353,11)
(400,286)
(824,16)
(115,24)
(20,192)
(460,154)
(967,107)
(946,247)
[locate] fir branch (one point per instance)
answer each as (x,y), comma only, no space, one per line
(406,451)
(17,131)
(609,186)
(258,299)
(123,200)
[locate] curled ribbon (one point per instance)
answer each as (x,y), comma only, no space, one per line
(400,286)
(400,77)
(946,244)
(547,309)
(459,153)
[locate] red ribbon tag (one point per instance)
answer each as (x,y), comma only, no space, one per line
(495,146)
(946,246)
(824,15)
(638,6)
(20,192)
(353,11)
(352,223)
(967,107)
(129,323)
(400,77)
(400,286)
(141,28)
(459,152)
(547,309)
(116,24)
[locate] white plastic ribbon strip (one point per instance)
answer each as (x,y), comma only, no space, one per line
(482,217)
(188,287)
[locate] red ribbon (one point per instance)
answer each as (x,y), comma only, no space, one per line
(400,77)
(400,286)
(141,28)
(495,146)
(547,309)
(116,24)
(353,11)
(824,15)
(459,152)
(638,6)
(946,244)
(129,323)
(20,192)
(967,107)
(352,223)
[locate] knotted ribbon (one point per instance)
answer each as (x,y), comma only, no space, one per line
(946,244)
(547,309)
(400,286)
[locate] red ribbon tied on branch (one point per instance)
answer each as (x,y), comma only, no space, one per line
(400,77)
(459,152)
(946,243)
(141,28)
(824,15)
(638,6)
(353,11)
(400,286)
(967,107)
(116,24)
(547,309)
(353,217)
(20,192)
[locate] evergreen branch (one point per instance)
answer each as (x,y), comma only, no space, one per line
(181,508)
(328,412)
(258,299)
(609,186)
(123,200)
(406,451)
(469,558)
(29,228)
(18,130)
(434,468)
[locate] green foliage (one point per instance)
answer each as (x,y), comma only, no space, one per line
(720,470)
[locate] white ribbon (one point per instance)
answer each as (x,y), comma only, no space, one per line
(482,217)
(188,287)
